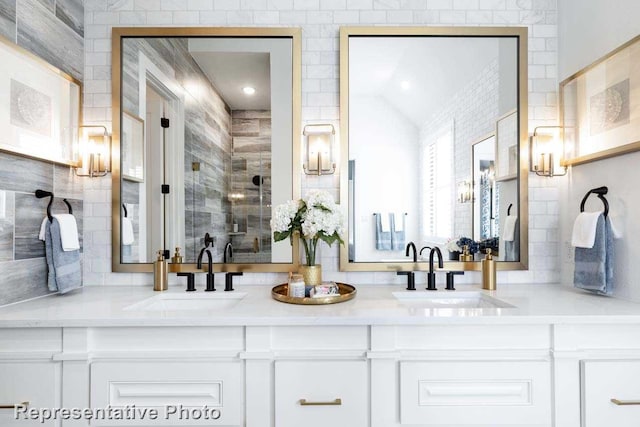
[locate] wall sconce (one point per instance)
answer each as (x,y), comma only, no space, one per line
(319,153)
(95,152)
(545,151)
(465,192)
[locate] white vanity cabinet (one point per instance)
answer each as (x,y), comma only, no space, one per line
(28,373)
(379,375)
(507,393)
(190,392)
(610,393)
(594,364)
(455,375)
(320,375)
(321,393)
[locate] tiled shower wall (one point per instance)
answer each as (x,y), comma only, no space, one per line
(320,22)
(251,177)
(53,31)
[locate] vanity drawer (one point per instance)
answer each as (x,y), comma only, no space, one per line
(197,387)
(35,382)
(605,380)
(321,394)
(496,393)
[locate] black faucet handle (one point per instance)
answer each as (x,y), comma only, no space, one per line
(228,280)
(211,287)
(450,279)
(191,281)
(411,279)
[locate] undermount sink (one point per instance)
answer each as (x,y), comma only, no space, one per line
(189,301)
(446,299)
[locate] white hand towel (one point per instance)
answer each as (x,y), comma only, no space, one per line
(127,231)
(399,221)
(584,230)
(68,232)
(43,228)
(385,222)
(509,232)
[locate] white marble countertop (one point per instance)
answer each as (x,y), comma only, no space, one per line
(103,306)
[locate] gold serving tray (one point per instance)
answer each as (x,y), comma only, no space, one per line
(347,292)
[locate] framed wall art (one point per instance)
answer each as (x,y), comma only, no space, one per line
(600,107)
(132,144)
(39,107)
(507,147)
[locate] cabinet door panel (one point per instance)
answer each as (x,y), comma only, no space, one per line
(603,381)
(182,393)
(35,382)
(496,393)
(321,393)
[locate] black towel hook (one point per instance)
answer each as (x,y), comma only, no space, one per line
(66,202)
(208,240)
(600,191)
(41,194)
(124,207)
(509,209)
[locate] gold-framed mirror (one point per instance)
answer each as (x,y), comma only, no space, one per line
(206,134)
(413,101)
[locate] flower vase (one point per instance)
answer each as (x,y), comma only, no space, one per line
(312,274)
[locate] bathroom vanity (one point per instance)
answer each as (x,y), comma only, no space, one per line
(525,355)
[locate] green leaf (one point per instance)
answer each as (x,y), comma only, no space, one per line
(280,235)
(329,240)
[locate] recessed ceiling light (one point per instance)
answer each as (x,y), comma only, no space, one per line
(248,90)
(405,84)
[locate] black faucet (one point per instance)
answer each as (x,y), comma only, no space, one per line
(412,245)
(228,280)
(210,284)
(191,282)
(411,279)
(450,279)
(431,275)
(423,248)
(228,249)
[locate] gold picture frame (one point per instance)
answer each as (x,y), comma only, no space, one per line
(600,107)
(40,107)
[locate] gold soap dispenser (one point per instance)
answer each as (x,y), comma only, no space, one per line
(160,273)
(465,256)
(177,257)
(489,272)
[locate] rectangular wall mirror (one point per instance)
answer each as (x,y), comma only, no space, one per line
(206,125)
(434,127)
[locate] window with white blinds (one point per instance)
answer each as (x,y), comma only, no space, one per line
(438,186)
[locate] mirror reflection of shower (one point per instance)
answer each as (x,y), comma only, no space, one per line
(250,186)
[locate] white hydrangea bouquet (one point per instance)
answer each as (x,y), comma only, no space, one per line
(313,218)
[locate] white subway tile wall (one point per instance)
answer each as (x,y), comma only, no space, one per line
(320,21)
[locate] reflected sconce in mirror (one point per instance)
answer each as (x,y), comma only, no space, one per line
(546,150)
(319,149)
(95,151)
(465,192)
